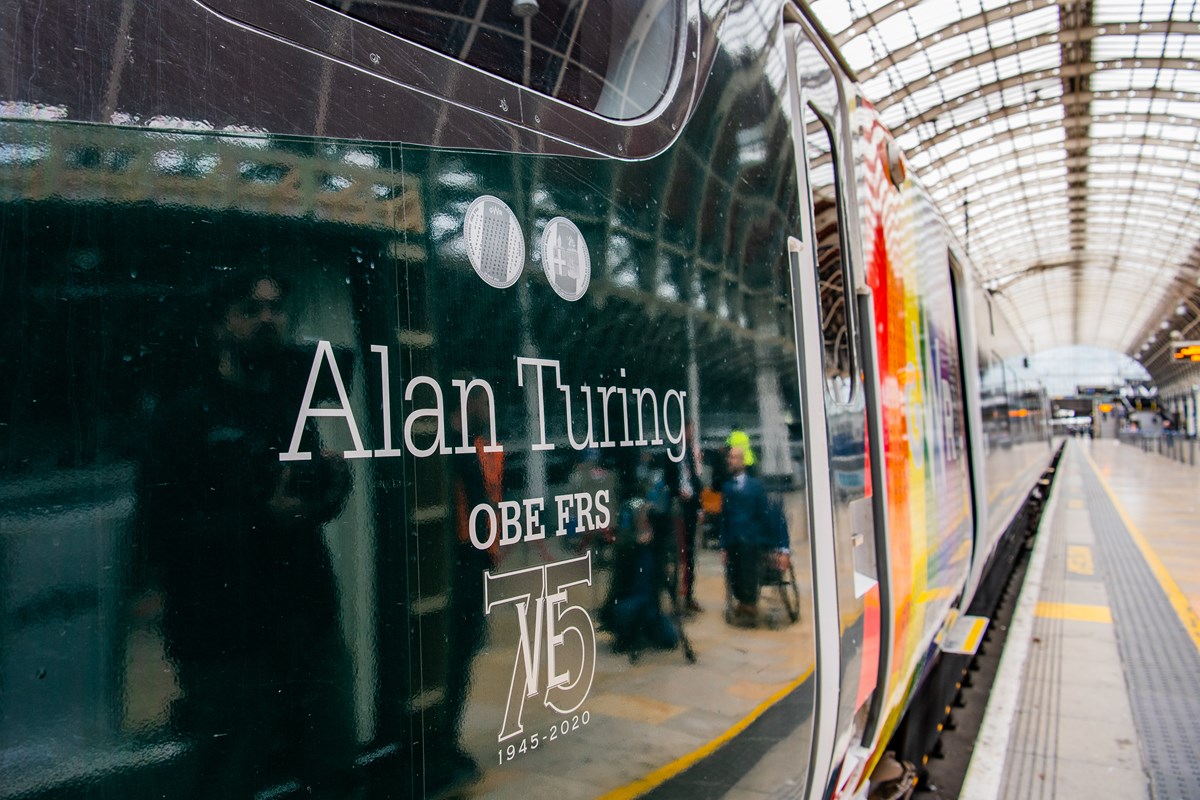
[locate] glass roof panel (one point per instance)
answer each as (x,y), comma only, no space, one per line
(858,53)
(894,116)
(835,15)
(1040,21)
(1105,11)
(1175,80)
(1129,150)
(1175,202)
(869,6)
(893,33)
(1140,129)
(1145,45)
(967,80)
(909,141)
(931,16)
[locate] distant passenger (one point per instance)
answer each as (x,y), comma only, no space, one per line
(742,440)
(232,540)
(640,576)
(478,480)
(749,531)
(685,480)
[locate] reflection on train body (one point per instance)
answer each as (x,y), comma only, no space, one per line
(193,645)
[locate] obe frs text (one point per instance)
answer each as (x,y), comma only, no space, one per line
(513,521)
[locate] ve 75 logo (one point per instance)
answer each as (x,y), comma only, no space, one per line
(564,634)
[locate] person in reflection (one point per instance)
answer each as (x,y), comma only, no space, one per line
(590,476)
(748,531)
(741,439)
(645,541)
(231,541)
(478,479)
(684,479)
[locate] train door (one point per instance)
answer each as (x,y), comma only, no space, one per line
(846,577)
(965,431)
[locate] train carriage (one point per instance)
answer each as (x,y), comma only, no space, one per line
(361,362)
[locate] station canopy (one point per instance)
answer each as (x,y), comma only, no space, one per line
(1061,140)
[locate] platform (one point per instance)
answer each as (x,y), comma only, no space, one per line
(1098,693)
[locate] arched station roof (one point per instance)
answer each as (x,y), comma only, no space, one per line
(1061,139)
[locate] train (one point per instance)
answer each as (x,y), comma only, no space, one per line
(424,399)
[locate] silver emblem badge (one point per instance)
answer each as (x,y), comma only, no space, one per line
(494,241)
(565,259)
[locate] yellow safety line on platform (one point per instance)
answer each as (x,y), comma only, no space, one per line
(1178,599)
(665,773)
(1074,611)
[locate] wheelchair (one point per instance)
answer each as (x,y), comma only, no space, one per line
(777,581)
(778,573)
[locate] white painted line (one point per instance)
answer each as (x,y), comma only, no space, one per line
(986,770)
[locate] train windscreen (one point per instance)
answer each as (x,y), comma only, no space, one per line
(611,58)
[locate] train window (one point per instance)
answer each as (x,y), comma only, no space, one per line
(831,270)
(613,58)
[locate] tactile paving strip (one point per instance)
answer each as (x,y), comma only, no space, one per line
(1162,665)
(1032,758)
